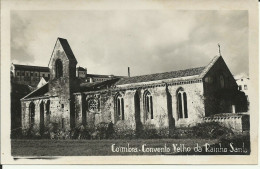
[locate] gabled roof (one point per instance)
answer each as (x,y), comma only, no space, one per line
(209,66)
(198,72)
(31,68)
(161,76)
(66,47)
(38,92)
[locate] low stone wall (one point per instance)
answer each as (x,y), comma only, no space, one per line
(236,122)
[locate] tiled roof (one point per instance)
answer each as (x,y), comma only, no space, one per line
(161,76)
(31,68)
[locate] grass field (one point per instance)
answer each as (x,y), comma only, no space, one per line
(96,147)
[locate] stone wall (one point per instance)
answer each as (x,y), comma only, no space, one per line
(57,114)
(195,104)
(164,106)
(235,122)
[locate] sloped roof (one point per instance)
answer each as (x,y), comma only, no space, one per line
(161,76)
(38,92)
(97,85)
(209,66)
(31,68)
(65,45)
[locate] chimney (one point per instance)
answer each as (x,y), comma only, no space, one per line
(128,71)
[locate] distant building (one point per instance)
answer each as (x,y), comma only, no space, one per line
(28,75)
(35,75)
(99,78)
(81,72)
(243,85)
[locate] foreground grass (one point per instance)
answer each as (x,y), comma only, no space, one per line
(95,147)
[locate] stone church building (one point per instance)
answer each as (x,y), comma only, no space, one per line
(170,99)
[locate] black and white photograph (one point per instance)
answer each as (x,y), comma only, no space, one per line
(140,82)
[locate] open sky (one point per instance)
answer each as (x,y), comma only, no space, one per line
(148,41)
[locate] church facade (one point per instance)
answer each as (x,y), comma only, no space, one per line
(164,100)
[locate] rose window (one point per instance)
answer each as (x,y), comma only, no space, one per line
(92,105)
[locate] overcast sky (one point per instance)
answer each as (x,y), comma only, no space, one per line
(148,41)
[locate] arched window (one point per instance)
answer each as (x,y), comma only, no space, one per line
(182,104)
(31,114)
(120,112)
(58,68)
(148,105)
(222,81)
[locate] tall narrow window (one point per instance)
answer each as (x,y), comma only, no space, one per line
(119,103)
(58,68)
(48,112)
(222,81)
(185,105)
(63,123)
(123,111)
(148,105)
(182,104)
(31,113)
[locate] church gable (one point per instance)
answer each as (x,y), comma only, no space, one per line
(62,61)
(63,51)
(218,71)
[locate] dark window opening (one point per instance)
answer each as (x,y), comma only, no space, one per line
(180,105)
(151,101)
(32,113)
(185,105)
(239,87)
(63,123)
(123,113)
(58,68)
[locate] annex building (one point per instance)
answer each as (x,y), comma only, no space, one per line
(163,100)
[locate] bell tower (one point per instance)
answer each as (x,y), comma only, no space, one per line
(62,83)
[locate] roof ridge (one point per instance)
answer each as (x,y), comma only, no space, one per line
(211,63)
(168,71)
(30,65)
(25,97)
